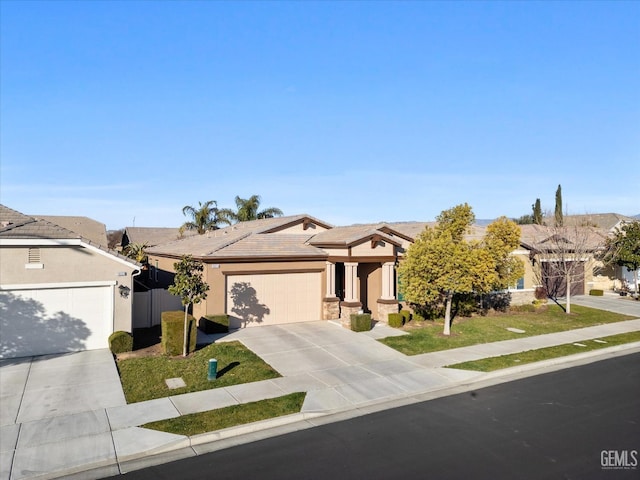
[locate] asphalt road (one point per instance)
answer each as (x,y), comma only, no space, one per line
(552,426)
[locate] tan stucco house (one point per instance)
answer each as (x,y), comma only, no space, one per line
(292,269)
(59,290)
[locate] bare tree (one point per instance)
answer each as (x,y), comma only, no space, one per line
(562,255)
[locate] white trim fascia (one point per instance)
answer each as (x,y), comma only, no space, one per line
(47,242)
(35,286)
(64,242)
(520,251)
(95,249)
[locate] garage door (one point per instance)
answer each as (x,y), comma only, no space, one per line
(55,320)
(269,299)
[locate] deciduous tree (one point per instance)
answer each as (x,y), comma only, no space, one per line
(441,263)
(190,287)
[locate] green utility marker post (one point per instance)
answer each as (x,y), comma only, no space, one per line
(213,369)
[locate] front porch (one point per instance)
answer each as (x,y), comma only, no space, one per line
(360,287)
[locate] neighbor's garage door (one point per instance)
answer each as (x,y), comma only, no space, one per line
(55,320)
(269,299)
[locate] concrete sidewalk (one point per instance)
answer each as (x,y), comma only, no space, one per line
(76,424)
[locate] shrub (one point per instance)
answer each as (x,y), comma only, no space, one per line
(120,342)
(596,292)
(172,325)
(498,301)
(396,320)
(214,323)
(465,305)
(360,322)
(406,315)
(540,293)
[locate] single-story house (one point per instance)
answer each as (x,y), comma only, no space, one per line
(59,290)
(549,253)
(292,269)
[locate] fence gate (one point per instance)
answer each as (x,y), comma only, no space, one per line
(148,307)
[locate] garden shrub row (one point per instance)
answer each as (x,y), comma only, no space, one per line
(214,324)
(172,324)
(596,292)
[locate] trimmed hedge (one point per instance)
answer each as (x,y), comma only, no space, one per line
(172,325)
(396,320)
(596,292)
(360,322)
(120,342)
(214,323)
(406,315)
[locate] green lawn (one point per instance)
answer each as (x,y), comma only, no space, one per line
(427,336)
(231,416)
(505,361)
(144,378)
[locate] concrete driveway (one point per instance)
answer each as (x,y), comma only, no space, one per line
(56,403)
(610,302)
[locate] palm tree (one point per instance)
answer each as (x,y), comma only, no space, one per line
(204,218)
(249,209)
(136,251)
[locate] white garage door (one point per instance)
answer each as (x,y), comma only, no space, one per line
(55,320)
(269,299)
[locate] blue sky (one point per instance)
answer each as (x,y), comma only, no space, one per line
(349,111)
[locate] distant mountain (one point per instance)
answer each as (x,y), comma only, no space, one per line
(636,216)
(483,222)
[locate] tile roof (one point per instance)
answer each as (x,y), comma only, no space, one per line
(266,245)
(541,236)
(349,235)
(607,221)
(211,243)
(86,227)
(22,226)
(9,217)
(155,236)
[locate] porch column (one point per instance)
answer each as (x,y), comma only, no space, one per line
(387,281)
(351,282)
(330,303)
(351,304)
(387,302)
(331,279)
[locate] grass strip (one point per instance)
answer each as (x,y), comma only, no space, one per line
(505,361)
(144,378)
(426,336)
(226,417)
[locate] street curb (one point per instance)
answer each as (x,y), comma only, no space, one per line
(248,433)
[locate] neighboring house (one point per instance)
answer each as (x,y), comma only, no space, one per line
(59,291)
(544,248)
(603,221)
(88,228)
(292,269)
(152,236)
